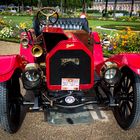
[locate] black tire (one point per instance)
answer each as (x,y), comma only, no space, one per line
(10,108)
(127,95)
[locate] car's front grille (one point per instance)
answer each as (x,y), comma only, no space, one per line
(70,64)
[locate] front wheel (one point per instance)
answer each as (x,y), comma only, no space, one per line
(127,96)
(10,105)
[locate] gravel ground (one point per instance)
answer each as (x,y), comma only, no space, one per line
(8,48)
(34,127)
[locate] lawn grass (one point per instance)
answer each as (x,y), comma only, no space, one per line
(134,27)
(19,19)
(96,22)
(92,23)
(112,25)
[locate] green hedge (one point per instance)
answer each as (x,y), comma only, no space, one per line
(93,11)
(89,11)
(122,27)
(129,19)
(6,13)
(110,12)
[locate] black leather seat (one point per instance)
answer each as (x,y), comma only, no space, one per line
(64,23)
(72,24)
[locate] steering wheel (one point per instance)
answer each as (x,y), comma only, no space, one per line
(47,16)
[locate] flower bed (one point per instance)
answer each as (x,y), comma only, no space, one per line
(10,30)
(124,41)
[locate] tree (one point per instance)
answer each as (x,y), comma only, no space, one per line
(22,3)
(65,5)
(6,2)
(105,11)
(32,4)
(114,9)
(132,7)
(18,6)
(84,6)
(61,5)
(39,3)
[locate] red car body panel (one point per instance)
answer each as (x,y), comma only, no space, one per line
(8,64)
(26,53)
(97,51)
(11,62)
(71,44)
(53,30)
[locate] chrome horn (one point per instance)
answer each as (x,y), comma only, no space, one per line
(37,51)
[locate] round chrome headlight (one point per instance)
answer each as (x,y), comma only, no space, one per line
(112,75)
(32,75)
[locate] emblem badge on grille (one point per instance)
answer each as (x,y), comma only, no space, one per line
(69,99)
(69,45)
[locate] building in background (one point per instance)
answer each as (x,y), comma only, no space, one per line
(121,5)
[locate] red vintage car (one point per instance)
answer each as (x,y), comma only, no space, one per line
(61,62)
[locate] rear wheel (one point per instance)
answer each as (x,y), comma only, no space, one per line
(127,95)
(10,105)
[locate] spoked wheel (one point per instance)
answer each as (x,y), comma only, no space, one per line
(10,108)
(127,96)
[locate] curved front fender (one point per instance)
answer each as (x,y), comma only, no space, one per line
(131,60)
(8,64)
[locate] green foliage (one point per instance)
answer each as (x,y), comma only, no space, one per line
(129,41)
(10,29)
(69,3)
(6,32)
(26,2)
(129,19)
(92,11)
(6,13)
(18,19)
(124,12)
(123,41)
(138,12)
(135,27)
